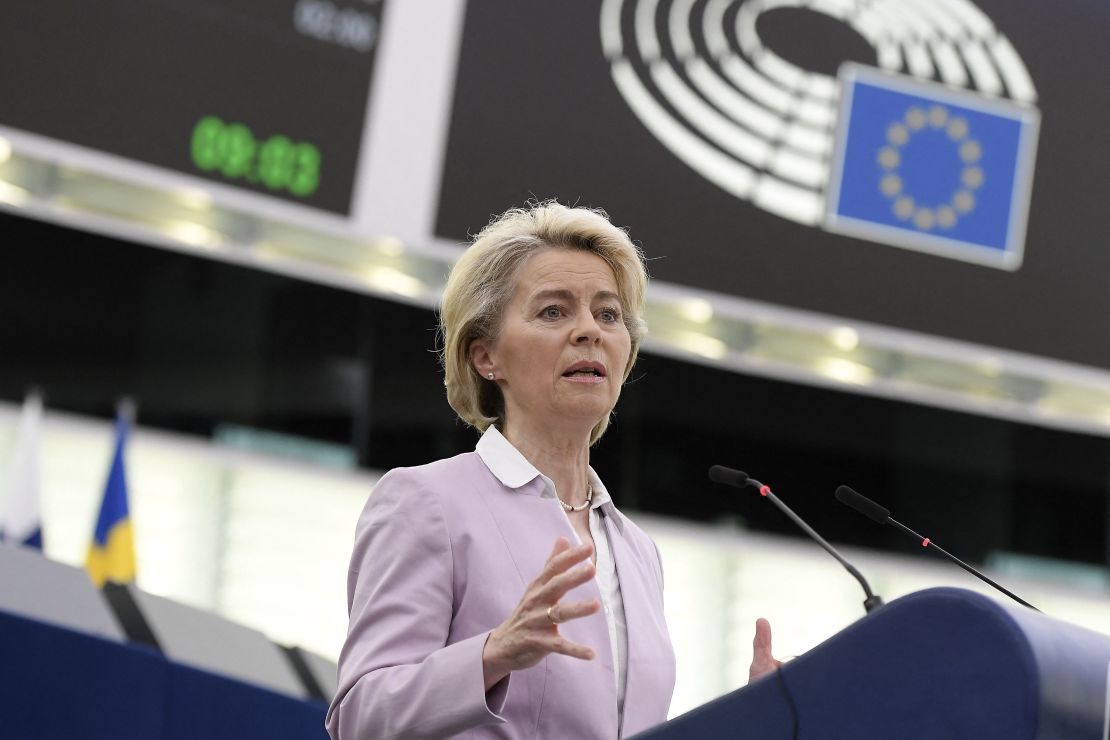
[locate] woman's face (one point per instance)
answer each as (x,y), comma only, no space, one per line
(563,346)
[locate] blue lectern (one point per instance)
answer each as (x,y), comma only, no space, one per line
(940,663)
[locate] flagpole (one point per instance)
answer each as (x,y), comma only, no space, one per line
(127,410)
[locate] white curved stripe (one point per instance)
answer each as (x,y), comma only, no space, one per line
(822,87)
(726,173)
(918,60)
(705,118)
(869,24)
(765,5)
(1013,71)
(893,18)
(679,23)
(982,69)
(724,96)
(788,201)
(839,9)
(756,85)
(713,26)
(805,139)
(975,20)
(646,37)
(611,42)
(762,6)
(948,62)
(890,56)
(945,24)
(798,168)
(779,70)
(818,113)
(920,23)
(746,34)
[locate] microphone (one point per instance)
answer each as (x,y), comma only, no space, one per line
(873,511)
(740,479)
(728,476)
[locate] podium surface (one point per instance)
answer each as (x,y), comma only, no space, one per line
(939,663)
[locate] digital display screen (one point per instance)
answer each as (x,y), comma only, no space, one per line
(268,96)
(708,128)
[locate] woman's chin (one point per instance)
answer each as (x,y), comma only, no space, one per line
(585,411)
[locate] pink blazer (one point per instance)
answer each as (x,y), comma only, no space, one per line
(443,553)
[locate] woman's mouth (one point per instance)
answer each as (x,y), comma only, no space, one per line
(585,372)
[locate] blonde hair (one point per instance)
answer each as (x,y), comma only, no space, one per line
(481,284)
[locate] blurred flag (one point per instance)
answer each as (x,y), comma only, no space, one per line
(925,166)
(21,517)
(112,553)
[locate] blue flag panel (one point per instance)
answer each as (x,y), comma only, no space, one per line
(111,555)
(928,167)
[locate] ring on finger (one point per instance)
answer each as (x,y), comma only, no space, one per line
(551,614)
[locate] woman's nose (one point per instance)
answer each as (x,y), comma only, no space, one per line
(588,331)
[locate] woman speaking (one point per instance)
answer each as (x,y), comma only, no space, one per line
(500,593)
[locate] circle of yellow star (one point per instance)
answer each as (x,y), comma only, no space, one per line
(889,158)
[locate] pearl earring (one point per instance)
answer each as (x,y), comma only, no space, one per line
(490,376)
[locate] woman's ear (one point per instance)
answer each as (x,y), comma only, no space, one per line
(481,358)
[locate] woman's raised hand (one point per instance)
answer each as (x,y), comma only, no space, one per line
(763,662)
(532,631)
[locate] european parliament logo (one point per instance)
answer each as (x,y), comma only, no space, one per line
(932,168)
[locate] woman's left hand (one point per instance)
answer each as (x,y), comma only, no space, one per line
(762,660)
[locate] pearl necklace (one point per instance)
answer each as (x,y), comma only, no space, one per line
(589,497)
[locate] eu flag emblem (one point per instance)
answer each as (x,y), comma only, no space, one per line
(923,166)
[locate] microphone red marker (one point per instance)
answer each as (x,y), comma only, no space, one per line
(880,514)
(740,479)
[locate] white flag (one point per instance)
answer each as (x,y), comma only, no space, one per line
(21,515)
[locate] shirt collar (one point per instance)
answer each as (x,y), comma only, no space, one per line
(514,471)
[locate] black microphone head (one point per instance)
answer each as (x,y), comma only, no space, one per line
(862,504)
(728,476)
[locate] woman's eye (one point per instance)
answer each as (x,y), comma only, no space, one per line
(609,315)
(552,312)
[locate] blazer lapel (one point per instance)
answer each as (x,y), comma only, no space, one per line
(520,515)
(638,589)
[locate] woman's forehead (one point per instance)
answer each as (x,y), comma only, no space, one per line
(571,270)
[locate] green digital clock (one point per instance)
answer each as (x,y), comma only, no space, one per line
(268,98)
(233,151)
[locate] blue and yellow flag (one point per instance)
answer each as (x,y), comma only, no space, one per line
(932,168)
(112,553)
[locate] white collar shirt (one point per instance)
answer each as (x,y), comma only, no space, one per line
(511,468)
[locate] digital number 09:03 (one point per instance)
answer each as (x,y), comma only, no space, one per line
(233,151)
